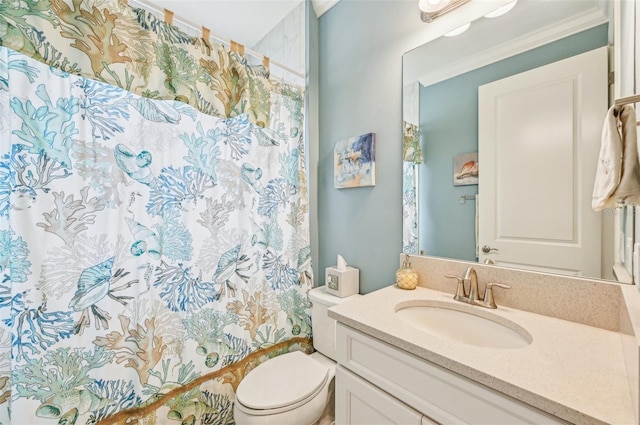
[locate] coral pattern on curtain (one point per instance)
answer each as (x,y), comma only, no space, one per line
(128,47)
(150,254)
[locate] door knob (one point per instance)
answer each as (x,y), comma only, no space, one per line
(487,249)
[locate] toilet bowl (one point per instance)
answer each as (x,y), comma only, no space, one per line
(293,388)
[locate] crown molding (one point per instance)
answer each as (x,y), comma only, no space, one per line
(321,6)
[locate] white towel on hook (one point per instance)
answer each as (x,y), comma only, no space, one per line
(618,174)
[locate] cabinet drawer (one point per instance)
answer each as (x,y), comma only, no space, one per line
(444,396)
(360,403)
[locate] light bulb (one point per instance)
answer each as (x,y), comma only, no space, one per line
(501,10)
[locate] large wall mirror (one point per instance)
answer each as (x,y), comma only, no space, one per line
(502,130)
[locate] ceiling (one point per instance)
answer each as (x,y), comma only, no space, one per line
(244,21)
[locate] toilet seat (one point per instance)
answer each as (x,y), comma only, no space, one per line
(281,384)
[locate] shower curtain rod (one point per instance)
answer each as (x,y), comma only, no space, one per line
(160,13)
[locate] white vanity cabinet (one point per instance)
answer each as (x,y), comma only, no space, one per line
(360,403)
(377,384)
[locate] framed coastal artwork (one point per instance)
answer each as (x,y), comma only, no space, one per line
(465,169)
(354,162)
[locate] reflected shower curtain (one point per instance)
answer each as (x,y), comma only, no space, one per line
(410,241)
(411,158)
(150,254)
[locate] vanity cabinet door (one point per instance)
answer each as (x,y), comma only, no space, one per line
(433,391)
(360,403)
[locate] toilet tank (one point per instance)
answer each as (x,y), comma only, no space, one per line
(324,327)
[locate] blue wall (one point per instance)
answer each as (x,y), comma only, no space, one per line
(360,78)
(360,45)
(449,126)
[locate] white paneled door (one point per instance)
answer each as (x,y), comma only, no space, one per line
(539,139)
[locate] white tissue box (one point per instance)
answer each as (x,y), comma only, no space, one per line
(342,283)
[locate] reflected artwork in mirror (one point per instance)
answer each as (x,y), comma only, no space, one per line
(444,117)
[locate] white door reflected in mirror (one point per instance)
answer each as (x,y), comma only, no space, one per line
(539,132)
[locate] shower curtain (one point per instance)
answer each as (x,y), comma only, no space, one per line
(154,241)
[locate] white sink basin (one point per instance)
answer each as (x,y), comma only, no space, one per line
(463,323)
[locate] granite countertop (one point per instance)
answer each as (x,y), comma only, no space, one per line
(570,370)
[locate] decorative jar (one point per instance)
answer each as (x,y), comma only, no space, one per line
(406,277)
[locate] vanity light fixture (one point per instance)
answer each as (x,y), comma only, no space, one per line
(501,10)
(458,30)
(432,9)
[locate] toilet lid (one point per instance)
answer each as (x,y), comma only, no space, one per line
(281,381)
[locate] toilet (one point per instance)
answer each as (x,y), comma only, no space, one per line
(294,388)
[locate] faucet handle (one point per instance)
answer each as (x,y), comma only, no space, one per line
(488,300)
(461,293)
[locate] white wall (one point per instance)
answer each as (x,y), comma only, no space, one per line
(285,44)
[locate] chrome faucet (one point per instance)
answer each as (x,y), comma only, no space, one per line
(470,277)
(487,300)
